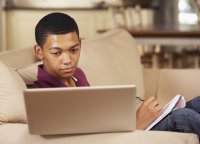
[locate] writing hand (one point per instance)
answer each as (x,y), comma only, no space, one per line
(148,112)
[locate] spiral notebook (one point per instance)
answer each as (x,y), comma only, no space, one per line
(177,102)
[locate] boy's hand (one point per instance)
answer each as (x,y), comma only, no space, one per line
(148,112)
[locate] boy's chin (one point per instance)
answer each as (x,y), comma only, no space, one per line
(66,76)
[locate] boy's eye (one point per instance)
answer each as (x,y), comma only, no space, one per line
(56,53)
(74,50)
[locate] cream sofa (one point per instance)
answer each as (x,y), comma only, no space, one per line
(107,59)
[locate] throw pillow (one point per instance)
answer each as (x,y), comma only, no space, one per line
(12,107)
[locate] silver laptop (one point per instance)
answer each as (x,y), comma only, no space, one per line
(78,110)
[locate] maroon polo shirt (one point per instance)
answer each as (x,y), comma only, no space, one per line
(45,80)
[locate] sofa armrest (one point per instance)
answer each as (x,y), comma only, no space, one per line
(178,81)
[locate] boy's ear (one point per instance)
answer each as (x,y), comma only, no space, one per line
(38,52)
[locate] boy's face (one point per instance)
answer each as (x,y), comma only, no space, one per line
(60,54)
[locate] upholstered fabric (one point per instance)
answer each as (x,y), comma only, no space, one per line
(18,134)
(29,72)
(112,59)
(18,57)
(151,78)
(11,96)
(178,81)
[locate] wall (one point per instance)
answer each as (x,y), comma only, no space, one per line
(1,3)
(2,26)
(20,24)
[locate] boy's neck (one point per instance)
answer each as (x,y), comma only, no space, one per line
(69,82)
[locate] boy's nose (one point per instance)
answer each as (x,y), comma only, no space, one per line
(66,58)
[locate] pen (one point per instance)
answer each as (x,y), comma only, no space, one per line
(139,98)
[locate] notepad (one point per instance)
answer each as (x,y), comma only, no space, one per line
(177,102)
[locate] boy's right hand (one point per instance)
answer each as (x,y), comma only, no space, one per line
(148,112)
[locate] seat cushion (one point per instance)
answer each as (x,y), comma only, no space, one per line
(12,107)
(18,134)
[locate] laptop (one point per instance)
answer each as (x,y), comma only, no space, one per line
(81,110)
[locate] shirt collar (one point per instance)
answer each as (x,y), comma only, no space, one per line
(43,75)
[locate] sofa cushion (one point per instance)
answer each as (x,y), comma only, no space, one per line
(29,72)
(112,58)
(18,134)
(18,57)
(151,78)
(11,96)
(178,81)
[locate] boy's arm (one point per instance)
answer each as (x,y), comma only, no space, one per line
(148,112)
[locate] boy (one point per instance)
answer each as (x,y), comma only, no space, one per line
(59,46)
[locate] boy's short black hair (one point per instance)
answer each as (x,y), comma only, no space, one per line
(54,23)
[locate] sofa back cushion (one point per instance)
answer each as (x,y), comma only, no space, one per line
(12,107)
(112,59)
(178,81)
(151,78)
(18,57)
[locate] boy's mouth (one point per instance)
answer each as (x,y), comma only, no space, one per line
(67,70)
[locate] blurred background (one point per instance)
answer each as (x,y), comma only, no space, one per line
(167,32)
